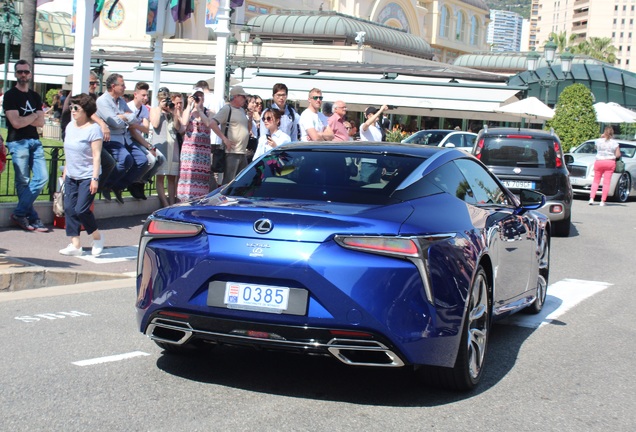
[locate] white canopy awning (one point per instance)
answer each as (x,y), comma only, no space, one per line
(411,95)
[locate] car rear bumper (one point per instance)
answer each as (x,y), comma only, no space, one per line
(556,210)
(356,348)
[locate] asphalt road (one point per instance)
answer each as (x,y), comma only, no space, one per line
(76,362)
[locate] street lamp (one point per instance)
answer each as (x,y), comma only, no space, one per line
(257,46)
(551,79)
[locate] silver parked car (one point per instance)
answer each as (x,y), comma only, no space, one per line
(580,163)
(443,138)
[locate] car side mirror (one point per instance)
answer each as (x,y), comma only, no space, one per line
(569,159)
(531,199)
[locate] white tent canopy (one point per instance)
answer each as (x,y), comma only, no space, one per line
(432,97)
(612,112)
(530,109)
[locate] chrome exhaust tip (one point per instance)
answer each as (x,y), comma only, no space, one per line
(169,331)
(363,353)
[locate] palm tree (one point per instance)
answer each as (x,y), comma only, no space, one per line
(598,48)
(27,48)
(562,40)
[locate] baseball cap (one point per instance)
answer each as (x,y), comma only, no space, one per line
(370,110)
(237,90)
(196,90)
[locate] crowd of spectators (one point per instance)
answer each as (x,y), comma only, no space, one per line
(188,144)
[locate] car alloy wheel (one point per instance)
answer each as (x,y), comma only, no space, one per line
(543,275)
(623,187)
(478,326)
(471,355)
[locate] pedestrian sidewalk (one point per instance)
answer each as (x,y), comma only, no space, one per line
(31,259)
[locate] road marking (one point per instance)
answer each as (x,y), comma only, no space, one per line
(562,296)
(112,255)
(108,359)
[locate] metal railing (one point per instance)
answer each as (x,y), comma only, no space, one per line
(54,157)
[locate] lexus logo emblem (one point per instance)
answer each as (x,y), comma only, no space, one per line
(263,226)
(517,170)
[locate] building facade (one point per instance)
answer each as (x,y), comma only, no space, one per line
(504,31)
(614,19)
(455,27)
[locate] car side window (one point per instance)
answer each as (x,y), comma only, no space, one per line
(482,185)
(469,140)
(456,140)
(450,179)
(587,147)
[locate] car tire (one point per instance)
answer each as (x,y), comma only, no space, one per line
(542,277)
(623,188)
(471,355)
(562,228)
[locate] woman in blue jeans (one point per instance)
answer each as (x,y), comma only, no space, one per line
(82,147)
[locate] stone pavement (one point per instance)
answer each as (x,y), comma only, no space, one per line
(31,259)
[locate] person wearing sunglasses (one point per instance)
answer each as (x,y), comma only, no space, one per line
(313,123)
(289,117)
(274,136)
(82,149)
(23,110)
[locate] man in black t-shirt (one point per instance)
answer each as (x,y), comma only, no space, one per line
(23,109)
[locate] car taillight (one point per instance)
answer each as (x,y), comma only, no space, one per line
(559,156)
(160,227)
(480,147)
(384,245)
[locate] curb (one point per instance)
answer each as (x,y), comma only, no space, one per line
(18,275)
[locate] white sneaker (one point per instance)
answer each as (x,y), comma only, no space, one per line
(602,203)
(98,245)
(591,202)
(71,250)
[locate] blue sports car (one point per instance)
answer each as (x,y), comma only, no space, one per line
(377,254)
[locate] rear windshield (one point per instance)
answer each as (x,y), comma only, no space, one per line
(325,175)
(518,151)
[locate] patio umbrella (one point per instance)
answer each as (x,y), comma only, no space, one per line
(529,108)
(612,112)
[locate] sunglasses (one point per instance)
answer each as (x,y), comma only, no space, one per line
(93,82)
(317,97)
(23,72)
(76,108)
(268,118)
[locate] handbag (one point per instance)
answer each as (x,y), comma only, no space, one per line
(620,166)
(218,154)
(58,202)
(218,159)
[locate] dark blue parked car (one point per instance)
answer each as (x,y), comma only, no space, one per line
(377,254)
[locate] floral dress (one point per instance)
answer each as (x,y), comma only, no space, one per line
(194,176)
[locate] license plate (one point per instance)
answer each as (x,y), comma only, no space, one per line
(518,184)
(263,298)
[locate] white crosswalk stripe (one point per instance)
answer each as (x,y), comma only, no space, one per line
(562,296)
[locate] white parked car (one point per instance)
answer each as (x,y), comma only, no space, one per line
(580,163)
(443,138)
